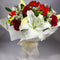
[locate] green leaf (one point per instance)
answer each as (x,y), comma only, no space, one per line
(16,7)
(50,8)
(8,9)
(36,13)
(34,27)
(8,21)
(22,6)
(45,18)
(11,24)
(11,19)
(41,12)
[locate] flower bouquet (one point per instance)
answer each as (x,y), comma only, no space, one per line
(34,20)
(31,23)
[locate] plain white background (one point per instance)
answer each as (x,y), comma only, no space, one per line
(49,49)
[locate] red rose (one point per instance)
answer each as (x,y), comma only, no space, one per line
(54,20)
(45,10)
(12,13)
(34,3)
(26,8)
(16,24)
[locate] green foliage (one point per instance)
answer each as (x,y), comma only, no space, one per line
(9,21)
(50,8)
(22,6)
(11,24)
(37,12)
(45,18)
(16,6)
(41,12)
(8,9)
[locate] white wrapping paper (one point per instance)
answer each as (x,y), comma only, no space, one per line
(30,35)
(28,42)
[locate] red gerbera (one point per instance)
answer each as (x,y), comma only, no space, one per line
(34,3)
(12,13)
(16,24)
(42,6)
(44,9)
(44,13)
(54,20)
(26,8)
(37,4)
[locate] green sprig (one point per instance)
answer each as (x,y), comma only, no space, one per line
(8,9)
(22,6)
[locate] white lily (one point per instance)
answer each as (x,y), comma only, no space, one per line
(24,24)
(37,22)
(34,21)
(50,13)
(33,24)
(53,11)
